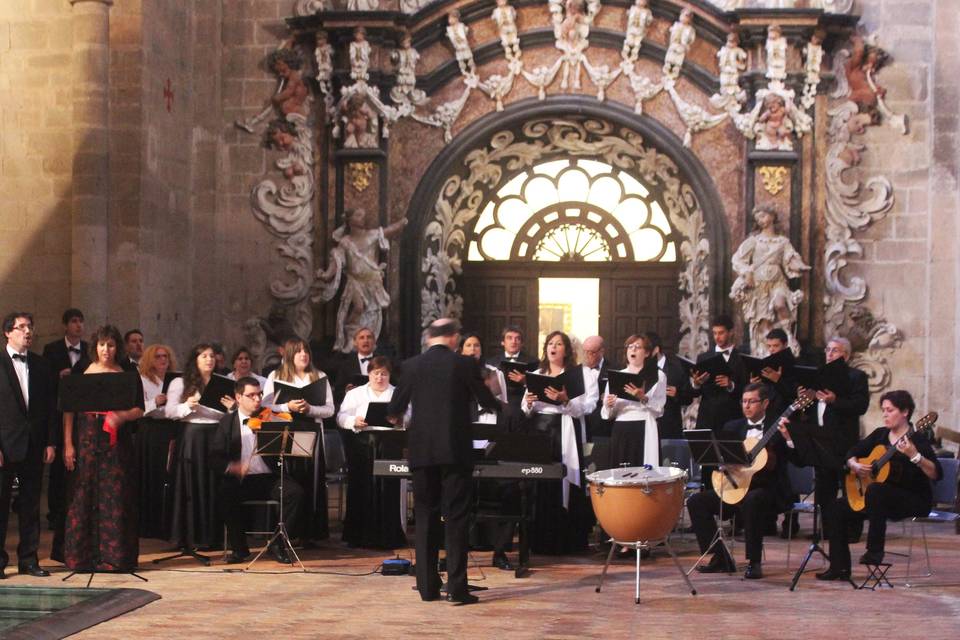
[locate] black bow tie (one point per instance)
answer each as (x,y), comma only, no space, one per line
(19,357)
(366,359)
(74,349)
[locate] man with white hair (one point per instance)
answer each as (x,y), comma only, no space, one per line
(595,366)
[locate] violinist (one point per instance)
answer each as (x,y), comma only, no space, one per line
(247,476)
(907,491)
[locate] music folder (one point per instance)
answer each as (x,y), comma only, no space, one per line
(781,360)
(537,384)
(218,387)
(645,379)
(507,366)
(376,415)
(357,380)
(314,393)
(833,376)
(715,365)
(80,392)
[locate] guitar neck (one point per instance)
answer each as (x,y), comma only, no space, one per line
(769,433)
(924,426)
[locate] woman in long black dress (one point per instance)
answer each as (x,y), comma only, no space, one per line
(101,526)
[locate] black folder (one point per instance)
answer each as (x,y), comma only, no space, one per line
(101,392)
(507,366)
(780,360)
(645,379)
(357,381)
(537,384)
(314,393)
(715,365)
(377,414)
(833,376)
(218,387)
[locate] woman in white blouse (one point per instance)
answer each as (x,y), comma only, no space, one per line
(634,439)
(372,517)
(183,394)
(156,361)
(563,517)
(296,369)
(242,362)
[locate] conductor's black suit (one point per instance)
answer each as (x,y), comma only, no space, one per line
(441,385)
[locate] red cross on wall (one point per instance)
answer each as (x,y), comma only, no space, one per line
(168,96)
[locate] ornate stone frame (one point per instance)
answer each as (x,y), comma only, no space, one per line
(448,199)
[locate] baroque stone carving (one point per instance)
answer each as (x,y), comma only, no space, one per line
(732,61)
(682,35)
(774,179)
(812,59)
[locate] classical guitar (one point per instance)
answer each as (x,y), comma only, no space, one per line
(733,483)
(855,485)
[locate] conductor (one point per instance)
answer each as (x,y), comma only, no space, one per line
(441,385)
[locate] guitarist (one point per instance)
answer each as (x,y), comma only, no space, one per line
(907,491)
(769,494)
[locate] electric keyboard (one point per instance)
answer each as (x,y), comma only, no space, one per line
(494,470)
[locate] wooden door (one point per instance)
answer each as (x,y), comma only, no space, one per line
(636,300)
(492,301)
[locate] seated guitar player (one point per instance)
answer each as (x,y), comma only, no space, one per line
(769,490)
(906,492)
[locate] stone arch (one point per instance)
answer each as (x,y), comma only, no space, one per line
(454,187)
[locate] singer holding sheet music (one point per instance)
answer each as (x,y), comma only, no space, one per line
(156,438)
(563,516)
(157,360)
(296,370)
(634,439)
(372,517)
(101,525)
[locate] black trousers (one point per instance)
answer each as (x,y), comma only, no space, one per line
(883,501)
(30,472)
(442,490)
(754,511)
(260,486)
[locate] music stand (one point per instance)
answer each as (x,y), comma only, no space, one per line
(707,451)
(278,439)
(814,447)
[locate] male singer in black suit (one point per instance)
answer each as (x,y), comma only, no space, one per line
(28,418)
(441,384)
(132,349)
(679,392)
(720,397)
(247,476)
(781,381)
(512,343)
(769,493)
(838,411)
(65,355)
(355,363)
(596,365)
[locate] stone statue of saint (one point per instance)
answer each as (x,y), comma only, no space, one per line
(776,47)
(355,260)
(457,33)
(764,263)
(359,55)
(639,18)
(505,17)
(682,35)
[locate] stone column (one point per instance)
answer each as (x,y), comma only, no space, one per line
(91,182)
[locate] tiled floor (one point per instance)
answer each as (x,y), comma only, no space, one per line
(340,599)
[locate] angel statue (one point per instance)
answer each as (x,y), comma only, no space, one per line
(682,35)
(764,262)
(355,260)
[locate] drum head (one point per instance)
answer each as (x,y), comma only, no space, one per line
(627,476)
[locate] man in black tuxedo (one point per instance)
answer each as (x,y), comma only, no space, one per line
(355,363)
(679,392)
(769,493)
(512,343)
(65,355)
(596,365)
(781,382)
(839,411)
(28,418)
(441,385)
(720,397)
(247,476)
(132,350)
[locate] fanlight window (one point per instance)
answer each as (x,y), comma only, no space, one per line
(573,211)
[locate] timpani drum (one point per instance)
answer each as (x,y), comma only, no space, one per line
(637,504)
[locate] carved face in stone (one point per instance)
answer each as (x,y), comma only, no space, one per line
(774,32)
(281,69)
(732,40)
(357,219)
(453,17)
(764,219)
(359,34)
(686,16)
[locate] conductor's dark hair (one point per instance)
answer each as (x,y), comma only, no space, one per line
(760,388)
(722,320)
(10,320)
(778,334)
(102,334)
(443,328)
(244,382)
(511,328)
(70,314)
(901,399)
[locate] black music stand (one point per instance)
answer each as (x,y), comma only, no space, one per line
(814,447)
(707,451)
(278,439)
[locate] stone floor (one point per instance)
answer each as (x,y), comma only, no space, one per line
(342,597)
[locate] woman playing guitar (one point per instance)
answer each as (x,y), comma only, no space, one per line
(907,491)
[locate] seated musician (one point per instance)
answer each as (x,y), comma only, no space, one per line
(247,476)
(769,492)
(907,491)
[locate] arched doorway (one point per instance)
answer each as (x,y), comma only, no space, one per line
(439,274)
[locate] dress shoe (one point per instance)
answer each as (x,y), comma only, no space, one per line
(753,572)
(463,598)
(872,557)
(719,563)
(833,573)
(3,575)
(430,597)
(236,558)
(34,570)
(500,561)
(280,555)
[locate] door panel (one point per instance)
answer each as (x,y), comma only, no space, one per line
(492,302)
(636,300)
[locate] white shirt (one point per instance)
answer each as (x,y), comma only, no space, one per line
(755,429)
(501,380)
(151,390)
(634,410)
(356,401)
(73,355)
(662,362)
(821,409)
(364,366)
(317,413)
(726,352)
(248,444)
(177,409)
(23,374)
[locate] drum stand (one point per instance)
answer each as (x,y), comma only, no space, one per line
(636,546)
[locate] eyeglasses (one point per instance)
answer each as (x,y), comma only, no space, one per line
(23,327)
(634,347)
(749,401)
(253,395)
